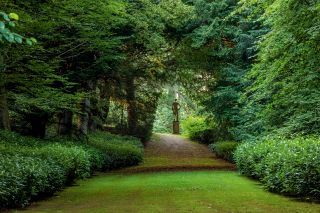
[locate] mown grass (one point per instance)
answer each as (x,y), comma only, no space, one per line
(201,192)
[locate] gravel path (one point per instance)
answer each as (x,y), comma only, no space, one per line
(174,153)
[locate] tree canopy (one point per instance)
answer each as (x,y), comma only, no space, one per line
(249,66)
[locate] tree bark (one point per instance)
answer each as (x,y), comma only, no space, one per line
(65,123)
(132,106)
(105,95)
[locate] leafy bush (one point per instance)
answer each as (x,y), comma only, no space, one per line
(196,128)
(22,178)
(30,168)
(224,149)
(287,166)
(118,151)
(75,160)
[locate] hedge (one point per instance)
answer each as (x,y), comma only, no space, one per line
(224,149)
(31,168)
(291,167)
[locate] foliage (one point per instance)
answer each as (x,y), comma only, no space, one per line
(84,43)
(224,149)
(222,49)
(23,178)
(118,151)
(282,95)
(197,128)
(251,66)
(164,114)
(32,168)
(289,166)
(8,21)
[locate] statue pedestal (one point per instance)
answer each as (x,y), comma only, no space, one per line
(176,127)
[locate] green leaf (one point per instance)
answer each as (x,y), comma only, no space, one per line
(2,25)
(14,16)
(18,39)
(12,24)
(5,16)
(33,40)
(9,37)
(4,31)
(29,41)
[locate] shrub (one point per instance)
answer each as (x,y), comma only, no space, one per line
(75,160)
(22,178)
(287,166)
(118,151)
(31,168)
(196,128)
(224,149)
(97,158)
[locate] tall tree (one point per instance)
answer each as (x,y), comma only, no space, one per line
(283,91)
(217,52)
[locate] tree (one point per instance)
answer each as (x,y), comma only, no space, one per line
(7,37)
(215,55)
(282,95)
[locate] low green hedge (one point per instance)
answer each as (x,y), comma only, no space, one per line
(290,167)
(31,168)
(119,151)
(23,178)
(224,149)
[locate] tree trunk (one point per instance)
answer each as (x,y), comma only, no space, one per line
(92,124)
(105,95)
(84,117)
(65,123)
(132,106)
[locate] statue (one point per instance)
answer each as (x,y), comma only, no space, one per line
(175,108)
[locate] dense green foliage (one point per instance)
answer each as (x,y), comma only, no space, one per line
(196,128)
(224,149)
(220,53)
(283,92)
(8,21)
(286,166)
(263,75)
(247,68)
(252,65)
(118,151)
(202,129)
(89,53)
(32,168)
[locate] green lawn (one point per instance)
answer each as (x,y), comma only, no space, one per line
(171,192)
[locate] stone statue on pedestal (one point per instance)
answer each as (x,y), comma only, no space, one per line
(175,109)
